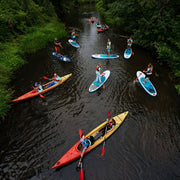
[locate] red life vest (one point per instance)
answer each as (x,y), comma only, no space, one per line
(110,123)
(73,33)
(97,68)
(151,70)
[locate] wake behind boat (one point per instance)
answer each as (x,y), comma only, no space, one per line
(148,86)
(73,153)
(105,56)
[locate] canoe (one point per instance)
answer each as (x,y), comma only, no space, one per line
(73,153)
(127,53)
(33,93)
(105,56)
(96,85)
(62,58)
(148,86)
(73,43)
(103,29)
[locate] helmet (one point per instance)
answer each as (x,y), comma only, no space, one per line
(36,83)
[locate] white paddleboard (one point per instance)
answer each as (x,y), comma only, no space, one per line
(73,43)
(148,86)
(96,85)
(104,56)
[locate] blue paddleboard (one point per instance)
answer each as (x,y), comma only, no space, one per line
(73,43)
(127,53)
(148,86)
(104,56)
(96,85)
(62,58)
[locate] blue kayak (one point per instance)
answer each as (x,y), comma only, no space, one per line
(148,86)
(127,53)
(62,58)
(73,43)
(104,56)
(96,85)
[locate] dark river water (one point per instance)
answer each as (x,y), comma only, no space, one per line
(37,132)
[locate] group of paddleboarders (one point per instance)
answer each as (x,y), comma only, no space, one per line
(86,142)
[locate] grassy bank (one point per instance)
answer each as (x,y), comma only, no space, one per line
(11,55)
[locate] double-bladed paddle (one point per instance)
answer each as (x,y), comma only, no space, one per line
(103,148)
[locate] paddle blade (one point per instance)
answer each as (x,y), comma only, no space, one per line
(81,173)
(80,133)
(45,77)
(41,96)
(103,86)
(103,150)
(108,115)
(135,79)
(132,53)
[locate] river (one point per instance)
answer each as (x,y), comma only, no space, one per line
(37,132)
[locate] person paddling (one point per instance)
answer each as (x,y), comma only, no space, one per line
(73,35)
(98,73)
(148,72)
(129,42)
(84,144)
(57,45)
(108,47)
(56,79)
(38,87)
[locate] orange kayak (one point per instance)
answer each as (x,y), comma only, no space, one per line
(34,93)
(73,153)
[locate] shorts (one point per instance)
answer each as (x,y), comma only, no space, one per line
(73,38)
(147,75)
(108,49)
(57,48)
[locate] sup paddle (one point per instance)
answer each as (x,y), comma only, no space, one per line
(103,148)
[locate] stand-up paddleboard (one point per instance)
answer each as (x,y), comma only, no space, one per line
(148,86)
(104,56)
(127,53)
(73,43)
(96,85)
(62,58)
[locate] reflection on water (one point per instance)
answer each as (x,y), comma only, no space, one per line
(37,132)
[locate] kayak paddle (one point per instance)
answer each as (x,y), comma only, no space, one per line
(81,173)
(80,133)
(103,148)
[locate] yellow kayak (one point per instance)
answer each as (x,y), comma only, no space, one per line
(73,153)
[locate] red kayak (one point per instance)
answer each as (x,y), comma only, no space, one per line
(73,153)
(34,93)
(103,29)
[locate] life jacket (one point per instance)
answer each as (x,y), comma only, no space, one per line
(108,43)
(110,124)
(73,33)
(97,68)
(56,44)
(86,143)
(55,79)
(150,71)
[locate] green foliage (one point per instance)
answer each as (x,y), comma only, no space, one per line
(32,28)
(152,24)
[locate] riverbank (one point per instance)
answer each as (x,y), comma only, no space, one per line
(12,55)
(152,26)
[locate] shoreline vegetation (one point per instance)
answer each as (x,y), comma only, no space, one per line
(24,28)
(153,25)
(27,26)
